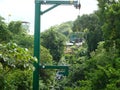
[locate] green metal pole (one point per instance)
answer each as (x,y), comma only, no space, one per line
(36,45)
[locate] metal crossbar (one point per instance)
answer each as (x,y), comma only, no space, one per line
(57,1)
(64,68)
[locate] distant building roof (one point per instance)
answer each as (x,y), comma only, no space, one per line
(26,22)
(79,44)
(69,44)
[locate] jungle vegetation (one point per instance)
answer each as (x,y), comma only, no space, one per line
(94,65)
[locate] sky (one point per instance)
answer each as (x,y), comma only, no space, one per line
(23,10)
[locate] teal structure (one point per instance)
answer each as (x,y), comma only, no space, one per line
(37,27)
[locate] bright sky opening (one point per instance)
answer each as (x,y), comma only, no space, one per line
(23,10)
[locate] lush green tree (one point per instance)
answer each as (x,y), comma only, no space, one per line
(1,19)
(16,27)
(100,72)
(15,67)
(103,5)
(65,28)
(46,58)
(104,64)
(5,34)
(16,63)
(18,79)
(111,26)
(20,35)
(54,42)
(90,26)
(47,76)
(25,41)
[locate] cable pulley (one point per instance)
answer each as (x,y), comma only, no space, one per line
(78,5)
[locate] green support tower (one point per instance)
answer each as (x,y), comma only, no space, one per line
(37,24)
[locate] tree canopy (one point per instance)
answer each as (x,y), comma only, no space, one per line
(53,41)
(93,65)
(90,26)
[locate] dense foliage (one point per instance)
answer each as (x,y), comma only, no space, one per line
(93,65)
(90,26)
(54,41)
(16,61)
(100,71)
(15,67)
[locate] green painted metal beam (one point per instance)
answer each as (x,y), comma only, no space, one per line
(65,68)
(53,67)
(68,2)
